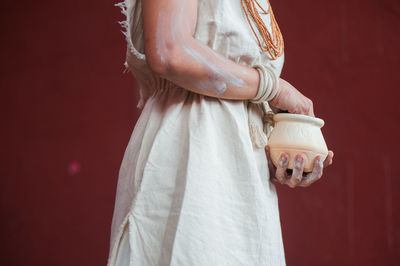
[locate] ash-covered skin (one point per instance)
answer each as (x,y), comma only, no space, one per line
(297,177)
(160,42)
(217,78)
(316,172)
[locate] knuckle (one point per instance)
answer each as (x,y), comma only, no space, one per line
(278,175)
(295,180)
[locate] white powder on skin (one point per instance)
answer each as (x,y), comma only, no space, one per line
(219,78)
(297,163)
(219,87)
(160,42)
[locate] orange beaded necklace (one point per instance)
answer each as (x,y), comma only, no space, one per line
(273,44)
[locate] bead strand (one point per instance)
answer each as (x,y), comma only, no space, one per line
(274,44)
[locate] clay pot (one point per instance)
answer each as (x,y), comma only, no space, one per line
(297,134)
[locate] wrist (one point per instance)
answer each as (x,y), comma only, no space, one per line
(268,84)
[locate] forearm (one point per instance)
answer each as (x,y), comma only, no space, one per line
(196,67)
(173,53)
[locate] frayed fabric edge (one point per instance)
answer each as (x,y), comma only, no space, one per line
(126,8)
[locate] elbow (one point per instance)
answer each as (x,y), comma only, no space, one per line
(164,62)
(157,63)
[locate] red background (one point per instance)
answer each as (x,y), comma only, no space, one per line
(66,103)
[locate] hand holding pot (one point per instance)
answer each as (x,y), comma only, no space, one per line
(288,98)
(297,177)
(297,146)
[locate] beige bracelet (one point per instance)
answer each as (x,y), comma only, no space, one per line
(268,85)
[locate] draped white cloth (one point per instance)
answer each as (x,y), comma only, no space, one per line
(193,186)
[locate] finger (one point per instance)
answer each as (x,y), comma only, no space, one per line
(282,167)
(311,112)
(310,108)
(275,180)
(297,175)
(329,159)
(315,174)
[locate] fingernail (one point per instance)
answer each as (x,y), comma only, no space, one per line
(317,162)
(298,162)
(282,161)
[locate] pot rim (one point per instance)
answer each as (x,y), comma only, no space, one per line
(299,118)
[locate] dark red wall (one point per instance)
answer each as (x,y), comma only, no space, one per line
(68,111)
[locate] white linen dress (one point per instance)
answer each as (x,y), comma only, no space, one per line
(194,186)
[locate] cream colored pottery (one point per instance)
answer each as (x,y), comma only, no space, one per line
(297,134)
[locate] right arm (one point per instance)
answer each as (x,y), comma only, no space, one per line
(174,54)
